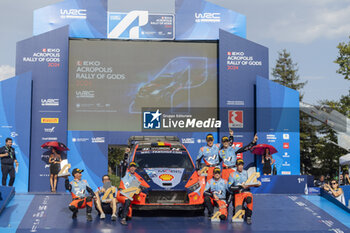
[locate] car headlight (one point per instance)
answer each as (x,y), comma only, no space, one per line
(194,187)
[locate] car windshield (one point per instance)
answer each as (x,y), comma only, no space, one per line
(164,160)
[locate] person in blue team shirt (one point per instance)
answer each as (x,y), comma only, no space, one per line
(210,156)
(125,183)
(215,194)
(241,191)
(82,194)
(228,154)
(106,202)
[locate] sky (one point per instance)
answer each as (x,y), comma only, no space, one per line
(310,30)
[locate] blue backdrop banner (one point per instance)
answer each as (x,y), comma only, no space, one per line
(15,115)
(201,20)
(86,18)
(241,61)
(283,185)
(278,124)
(46,56)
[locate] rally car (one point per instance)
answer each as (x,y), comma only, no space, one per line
(170,181)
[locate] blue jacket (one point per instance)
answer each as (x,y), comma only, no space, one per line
(218,188)
(209,154)
(237,178)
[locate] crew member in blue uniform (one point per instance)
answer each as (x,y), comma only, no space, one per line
(82,194)
(210,156)
(228,154)
(215,194)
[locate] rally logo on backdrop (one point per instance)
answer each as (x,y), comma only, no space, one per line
(86,18)
(201,20)
(140,25)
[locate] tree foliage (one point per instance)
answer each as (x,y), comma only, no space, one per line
(286,72)
(343,59)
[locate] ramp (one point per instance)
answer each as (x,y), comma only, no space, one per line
(272,213)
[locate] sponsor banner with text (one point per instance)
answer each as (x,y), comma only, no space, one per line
(49,101)
(86,18)
(236,86)
(278,124)
(140,25)
(201,20)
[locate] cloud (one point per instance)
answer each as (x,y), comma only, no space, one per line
(309,20)
(6,72)
(296,21)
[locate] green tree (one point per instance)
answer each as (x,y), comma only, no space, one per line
(343,59)
(285,72)
(115,156)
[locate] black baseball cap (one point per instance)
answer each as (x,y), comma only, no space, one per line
(77,170)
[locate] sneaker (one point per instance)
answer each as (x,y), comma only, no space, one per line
(123,221)
(249,220)
(89,217)
(102,216)
(114,217)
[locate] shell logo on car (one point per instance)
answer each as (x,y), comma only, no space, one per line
(166,177)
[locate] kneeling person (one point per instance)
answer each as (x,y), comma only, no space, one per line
(105,201)
(242,194)
(215,194)
(79,189)
(126,182)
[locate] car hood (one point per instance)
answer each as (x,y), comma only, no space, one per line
(165,177)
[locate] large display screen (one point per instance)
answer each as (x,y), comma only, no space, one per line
(110,81)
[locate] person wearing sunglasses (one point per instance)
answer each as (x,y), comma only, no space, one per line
(335,191)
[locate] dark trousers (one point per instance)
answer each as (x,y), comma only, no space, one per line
(125,209)
(8,170)
(209,205)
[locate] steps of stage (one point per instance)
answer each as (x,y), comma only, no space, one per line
(6,194)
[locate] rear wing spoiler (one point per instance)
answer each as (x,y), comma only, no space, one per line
(151,139)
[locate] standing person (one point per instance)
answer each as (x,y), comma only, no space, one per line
(8,157)
(215,194)
(79,189)
(55,165)
(105,201)
(210,155)
(228,154)
(267,162)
